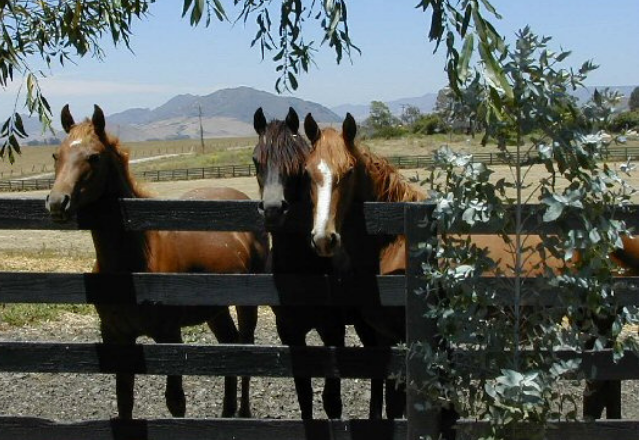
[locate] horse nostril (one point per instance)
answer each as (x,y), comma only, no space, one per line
(284,208)
(65,202)
(333,239)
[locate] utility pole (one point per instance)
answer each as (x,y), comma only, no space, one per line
(201,129)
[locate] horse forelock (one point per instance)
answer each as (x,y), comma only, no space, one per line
(111,144)
(280,147)
(332,149)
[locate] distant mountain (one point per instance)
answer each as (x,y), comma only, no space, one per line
(227,112)
(360,112)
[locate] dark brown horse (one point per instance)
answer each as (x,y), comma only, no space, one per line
(344,176)
(279,157)
(92,171)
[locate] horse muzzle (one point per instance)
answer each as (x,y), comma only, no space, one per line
(59,206)
(326,245)
(274,214)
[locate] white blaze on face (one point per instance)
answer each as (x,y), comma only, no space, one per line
(75,143)
(323,205)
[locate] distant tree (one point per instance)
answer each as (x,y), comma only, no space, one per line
(410,115)
(380,116)
(58,32)
(429,124)
(633,100)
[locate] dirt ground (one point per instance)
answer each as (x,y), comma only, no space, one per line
(75,397)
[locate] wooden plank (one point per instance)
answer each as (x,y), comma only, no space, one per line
(23,428)
(241,215)
(195,289)
(196,360)
(419,297)
(563,430)
(254,360)
(26,428)
(254,289)
(595,364)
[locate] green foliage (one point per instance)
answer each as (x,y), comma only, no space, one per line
(633,100)
(19,315)
(429,124)
(624,121)
(380,116)
(56,32)
(510,380)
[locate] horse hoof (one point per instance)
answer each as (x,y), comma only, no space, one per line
(177,407)
(228,413)
(245,413)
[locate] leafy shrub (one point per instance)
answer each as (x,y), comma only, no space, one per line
(625,121)
(429,124)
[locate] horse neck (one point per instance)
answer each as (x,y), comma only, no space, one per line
(119,250)
(379,181)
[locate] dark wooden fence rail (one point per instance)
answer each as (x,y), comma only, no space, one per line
(247,170)
(275,361)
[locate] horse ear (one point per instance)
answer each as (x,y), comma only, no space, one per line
(66,119)
(349,129)
(311,128)
(292,120)
(98,120)
(259,121)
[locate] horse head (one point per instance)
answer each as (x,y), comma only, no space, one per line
(331,167)
(279,158)
(81,168)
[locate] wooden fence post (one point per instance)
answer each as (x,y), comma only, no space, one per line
(421,423)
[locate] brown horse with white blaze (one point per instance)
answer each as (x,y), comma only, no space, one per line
(344,176)
(91,172)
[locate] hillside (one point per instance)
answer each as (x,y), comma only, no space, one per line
(225,113)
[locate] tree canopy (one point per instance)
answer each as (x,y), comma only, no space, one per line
(58,32)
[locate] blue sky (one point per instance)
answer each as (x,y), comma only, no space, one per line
(397,60)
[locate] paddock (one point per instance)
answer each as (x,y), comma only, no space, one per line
(270,361)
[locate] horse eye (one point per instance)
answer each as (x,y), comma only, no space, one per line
(55,157)
(93,158)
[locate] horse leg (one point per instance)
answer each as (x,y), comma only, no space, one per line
(294,336)
(332,336)
(247,321)
(174,392)
(614,399)
(601,394)
(396,398)
(368,338)
(124,381)
(225,332)
(395,394)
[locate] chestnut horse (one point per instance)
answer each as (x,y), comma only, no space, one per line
(344,176)
(279,157)
(92,172)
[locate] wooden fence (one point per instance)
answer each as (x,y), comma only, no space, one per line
(271,361)
(247,170)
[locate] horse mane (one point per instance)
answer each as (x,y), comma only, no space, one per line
(388,184)
(291,151)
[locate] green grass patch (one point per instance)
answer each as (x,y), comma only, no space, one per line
(20,315)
